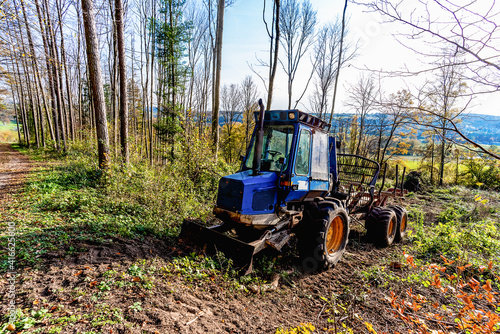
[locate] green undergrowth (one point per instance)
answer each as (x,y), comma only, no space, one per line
(465,225)
(68,199)
(447,272)
(455,224)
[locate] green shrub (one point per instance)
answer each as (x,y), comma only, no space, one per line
(456,233)
(482,173)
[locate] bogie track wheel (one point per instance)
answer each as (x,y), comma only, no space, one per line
(402,217)
(324,239)
(382,226)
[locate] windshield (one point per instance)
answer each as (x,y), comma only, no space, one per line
(277,142)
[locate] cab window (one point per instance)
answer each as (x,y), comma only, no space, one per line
(302,160)
(277,143)
(319,161)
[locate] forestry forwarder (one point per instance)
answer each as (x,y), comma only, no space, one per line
(293,182)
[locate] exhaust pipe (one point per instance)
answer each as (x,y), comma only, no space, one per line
(257,154)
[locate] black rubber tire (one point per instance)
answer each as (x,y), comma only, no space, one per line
(319,249)
(381,225)
(402,216)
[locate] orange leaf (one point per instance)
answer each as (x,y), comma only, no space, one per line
(136,279)
(437,281)
(466,299)
(490,265)
(78,273)
(446,261)
(93,283)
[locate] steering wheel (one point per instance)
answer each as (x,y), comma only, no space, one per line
(273,153)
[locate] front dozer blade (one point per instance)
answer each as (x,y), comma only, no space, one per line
(211,241)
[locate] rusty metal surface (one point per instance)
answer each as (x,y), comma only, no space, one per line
(211,241)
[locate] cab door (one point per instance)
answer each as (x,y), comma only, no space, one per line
(319,162)
(302,166)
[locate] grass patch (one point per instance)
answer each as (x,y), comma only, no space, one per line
(70,199)
(8,133)
(465,228)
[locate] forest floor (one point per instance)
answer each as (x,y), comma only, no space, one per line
(70,280)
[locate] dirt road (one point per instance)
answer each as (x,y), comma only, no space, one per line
(13,168)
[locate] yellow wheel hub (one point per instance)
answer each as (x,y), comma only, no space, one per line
(403,224)
(335,235)
(392,227)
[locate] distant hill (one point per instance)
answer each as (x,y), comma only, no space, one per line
(483,129)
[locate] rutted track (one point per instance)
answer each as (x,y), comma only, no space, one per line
(13,167)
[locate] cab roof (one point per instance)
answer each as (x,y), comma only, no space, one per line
(293,116)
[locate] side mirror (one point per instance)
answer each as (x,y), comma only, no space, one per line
(282,160)
(338,144)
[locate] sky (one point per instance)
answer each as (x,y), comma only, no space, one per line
(245,39)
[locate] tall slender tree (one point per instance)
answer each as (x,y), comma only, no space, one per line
(95,74)
(123,80)
(217,72)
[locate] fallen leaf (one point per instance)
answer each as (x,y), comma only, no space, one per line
(396,265)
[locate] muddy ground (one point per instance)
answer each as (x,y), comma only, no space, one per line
(149,286)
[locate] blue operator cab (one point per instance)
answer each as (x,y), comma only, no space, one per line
(288,160)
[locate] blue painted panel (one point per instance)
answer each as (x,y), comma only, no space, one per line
(237,192)
(318,185)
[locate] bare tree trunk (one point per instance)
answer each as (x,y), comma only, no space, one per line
(80,85)
(31,98)
(151,137)
(37,74)
(443,154)
(136,124)
(56,75)
(273,56)
(113,71)
(217,67)
(123,81)
(432,163)
(20,95)
(17,116)
(29,92)
(49,75)
(15,106)
(145,41)
(16,90)
(71,120)
(18,33)
(94,69)
(339,63)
